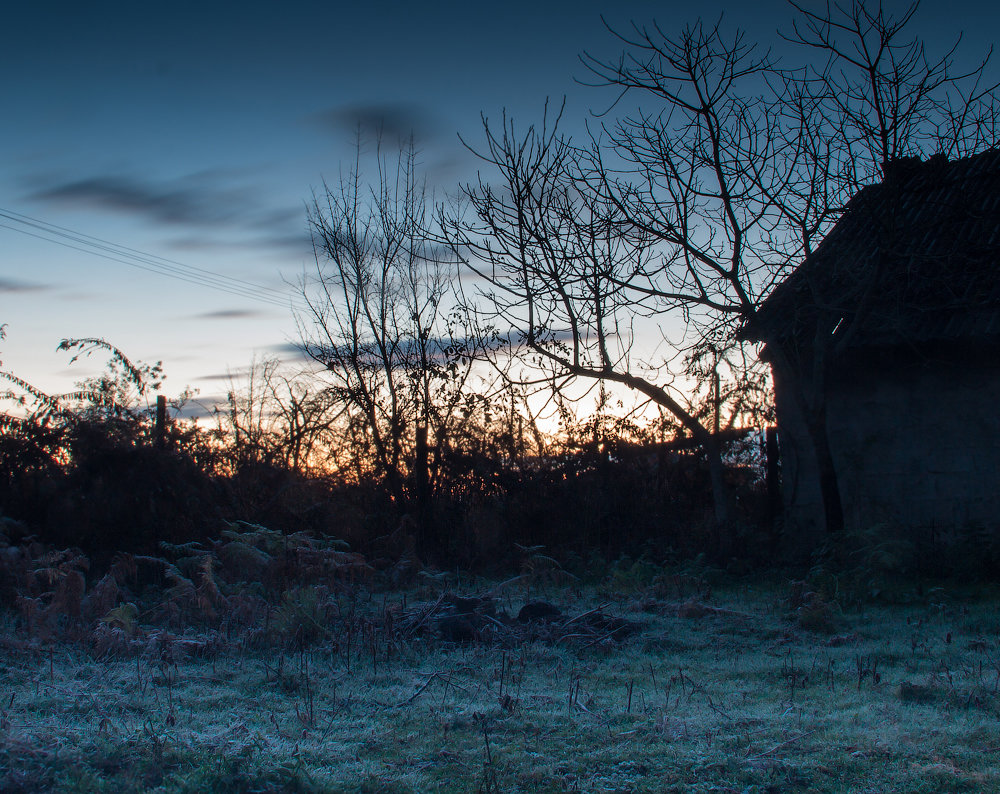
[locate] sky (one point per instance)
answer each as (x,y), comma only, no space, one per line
(194,135)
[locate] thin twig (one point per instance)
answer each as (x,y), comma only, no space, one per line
(440,676)
(411,629)
(783,744)
(588,612)
(417,694)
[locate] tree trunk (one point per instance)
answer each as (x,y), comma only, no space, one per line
(811,403)
(720,494)
(829,486)
(421,480)
(709,442)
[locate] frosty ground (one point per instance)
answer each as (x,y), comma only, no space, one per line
(631,686)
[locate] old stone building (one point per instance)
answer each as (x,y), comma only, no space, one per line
(890,333)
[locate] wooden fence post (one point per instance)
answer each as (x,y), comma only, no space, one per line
(160,432)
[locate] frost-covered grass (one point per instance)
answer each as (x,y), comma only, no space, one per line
(729,693)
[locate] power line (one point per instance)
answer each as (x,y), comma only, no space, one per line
(100,243)
(141,260)
(202,283)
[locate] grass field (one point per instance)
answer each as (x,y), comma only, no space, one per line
(747,688)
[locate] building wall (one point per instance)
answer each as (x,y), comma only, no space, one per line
(803,506)
(916,443)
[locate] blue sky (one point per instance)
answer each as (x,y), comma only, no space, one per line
(197,131)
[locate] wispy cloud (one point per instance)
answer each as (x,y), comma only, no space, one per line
(229,314)
(8,285)
(204,406)
(192,201)
(285,349)
(298,245)
(226,376)
(209,203)
(393,122)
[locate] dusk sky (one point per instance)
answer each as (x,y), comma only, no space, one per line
(197,133)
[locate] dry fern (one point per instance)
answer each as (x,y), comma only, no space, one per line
(209,597)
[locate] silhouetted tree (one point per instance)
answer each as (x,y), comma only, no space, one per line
(690,207)
(385,322)
(557,257)
(274,417)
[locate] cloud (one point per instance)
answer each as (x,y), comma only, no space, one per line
(443,159)
(229,314)
(516,339)
(8,285)
(395,122)
(286,349)
(204,406)
(218,204)
(297,245)
(184,202)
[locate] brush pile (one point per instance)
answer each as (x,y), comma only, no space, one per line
(467,619)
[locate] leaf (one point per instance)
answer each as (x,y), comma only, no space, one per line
(124,617)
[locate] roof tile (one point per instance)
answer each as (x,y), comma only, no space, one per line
(914,258)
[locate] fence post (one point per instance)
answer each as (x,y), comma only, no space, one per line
(161,421)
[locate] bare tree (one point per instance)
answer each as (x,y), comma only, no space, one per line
(384,320)
(875,101)
(743,167)
(556,257)
(275,417)
(881,97)
(691,206)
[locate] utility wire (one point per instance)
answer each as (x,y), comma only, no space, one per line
(105,244)
(178,276)
(141,260)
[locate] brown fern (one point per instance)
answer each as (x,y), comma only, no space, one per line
(103,596)
(208,596)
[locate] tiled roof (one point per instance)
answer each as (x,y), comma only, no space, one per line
(913,259)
